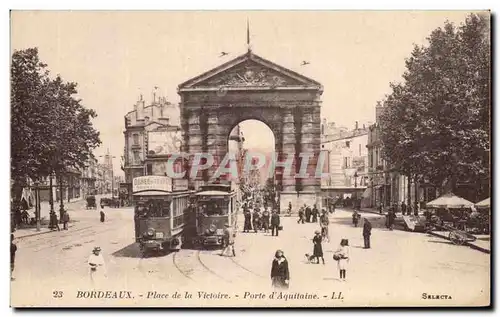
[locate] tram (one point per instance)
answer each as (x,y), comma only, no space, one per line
(215,207)
(161,210)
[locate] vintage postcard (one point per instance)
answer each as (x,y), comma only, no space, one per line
(250,158)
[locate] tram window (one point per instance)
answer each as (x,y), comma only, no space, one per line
(213,208)
(153,209)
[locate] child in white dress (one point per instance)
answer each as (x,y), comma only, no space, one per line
(342,257)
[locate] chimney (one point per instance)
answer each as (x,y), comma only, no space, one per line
(356,126)
(364,127)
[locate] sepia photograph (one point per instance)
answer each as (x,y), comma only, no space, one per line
(336,159)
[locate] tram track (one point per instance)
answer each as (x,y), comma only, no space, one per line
(73,239)
(198,253)
(245,268)
(190,264)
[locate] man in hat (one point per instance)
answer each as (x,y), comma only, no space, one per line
(97,267)
(13,250)
(228,240)
(275,223)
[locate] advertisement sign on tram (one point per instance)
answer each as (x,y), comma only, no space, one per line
(160,183)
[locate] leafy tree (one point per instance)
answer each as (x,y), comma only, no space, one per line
(51,130)
(436,123)
(30,118)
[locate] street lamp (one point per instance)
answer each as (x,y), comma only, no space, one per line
(61,200)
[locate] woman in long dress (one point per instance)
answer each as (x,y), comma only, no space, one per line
(318,248)
(342,257)
(280,275)
(97,268)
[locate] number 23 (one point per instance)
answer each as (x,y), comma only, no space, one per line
(57,294)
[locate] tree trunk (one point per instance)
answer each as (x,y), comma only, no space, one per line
(409,192)
(416,195)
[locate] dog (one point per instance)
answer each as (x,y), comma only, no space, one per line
(309,258)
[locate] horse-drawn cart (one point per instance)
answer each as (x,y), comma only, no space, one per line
(91,202)
(457,236)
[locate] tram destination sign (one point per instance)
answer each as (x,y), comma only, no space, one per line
(160,183)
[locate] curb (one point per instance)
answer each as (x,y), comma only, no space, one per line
(469,244)
(38,233)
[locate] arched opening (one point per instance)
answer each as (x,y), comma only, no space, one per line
(247,138)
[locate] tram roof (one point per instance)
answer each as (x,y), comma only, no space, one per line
(152,193)
(212,193)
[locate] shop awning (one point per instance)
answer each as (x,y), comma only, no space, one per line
(450,200)
(483,203)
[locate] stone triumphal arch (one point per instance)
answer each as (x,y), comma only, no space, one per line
(251,87)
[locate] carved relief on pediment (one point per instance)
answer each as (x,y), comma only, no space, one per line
(249,74)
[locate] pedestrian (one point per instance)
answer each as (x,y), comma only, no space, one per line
(367,231)
(355,218)
(315,214)
(342,257)
(103,216)
(248,220)
(97,268)
(256,219)
(54,223)
(415,208)
(65,220)
(265,220)
(403,208)
(289,208)
(275,223)
(228,240)
(317,247)
(301,215)
(13,250)
(25,217)
(280,275)
(391,216)
(308,213)
(324,223)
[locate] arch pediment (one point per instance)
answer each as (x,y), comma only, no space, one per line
(249,71)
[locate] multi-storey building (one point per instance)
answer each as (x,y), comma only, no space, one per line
(387,186)
(88,179)
(347,161)
(151,132)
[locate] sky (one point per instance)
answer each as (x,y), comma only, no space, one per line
(115,56)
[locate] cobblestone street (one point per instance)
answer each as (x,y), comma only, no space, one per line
(397,270)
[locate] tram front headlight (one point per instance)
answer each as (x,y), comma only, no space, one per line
(212,229)
(150,232)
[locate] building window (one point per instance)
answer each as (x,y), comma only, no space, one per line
(149,169)
(346,162)
(348,144)
(137,157)
(136,138)
(322,146)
